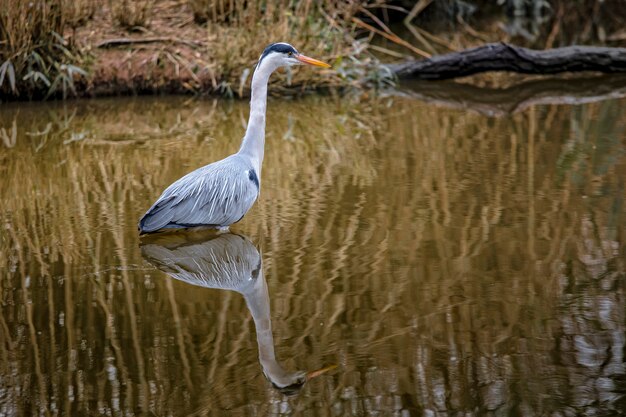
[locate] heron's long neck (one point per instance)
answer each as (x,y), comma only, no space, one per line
(258,301)
(254,140)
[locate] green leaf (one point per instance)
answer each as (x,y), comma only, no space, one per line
(39,60)
(37,76)
(42,77)
(65,51)
(7,69)
(59,38)
(54,86)
(11,71)
(3,70)
(71,69)
(70,83)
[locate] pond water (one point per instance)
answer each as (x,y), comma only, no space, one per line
(426,260)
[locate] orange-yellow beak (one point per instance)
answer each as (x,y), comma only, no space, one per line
(322,371)
(310,61)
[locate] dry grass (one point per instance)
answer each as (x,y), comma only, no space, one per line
(305,26)
(44,47)
(131,14)
(209,46)
(35,59)
(216,10)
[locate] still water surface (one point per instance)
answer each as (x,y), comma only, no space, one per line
(429,260)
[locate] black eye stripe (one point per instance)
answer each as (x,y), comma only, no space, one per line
(283,48)
(280,47)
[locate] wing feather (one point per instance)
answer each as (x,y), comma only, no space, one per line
(218,194)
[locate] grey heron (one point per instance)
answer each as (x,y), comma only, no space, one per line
(228,262)
(221,193)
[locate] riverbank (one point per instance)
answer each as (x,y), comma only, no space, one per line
(178,54)
(164,46)
(61,48)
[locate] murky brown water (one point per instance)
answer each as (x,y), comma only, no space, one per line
(447,262)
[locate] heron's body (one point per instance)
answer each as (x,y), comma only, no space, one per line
(220,194)
(217,195)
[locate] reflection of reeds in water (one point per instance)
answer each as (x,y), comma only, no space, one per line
(440,256)
(499,216)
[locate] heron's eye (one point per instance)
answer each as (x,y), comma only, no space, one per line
(290,53)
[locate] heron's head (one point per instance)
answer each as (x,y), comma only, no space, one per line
(289,382)
(284,55)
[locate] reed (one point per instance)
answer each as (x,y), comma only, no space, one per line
(304,24)
(46,45)
(53,48)
(35,58)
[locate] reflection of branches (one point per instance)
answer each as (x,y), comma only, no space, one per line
(114,216)
(519,97)
(437,254)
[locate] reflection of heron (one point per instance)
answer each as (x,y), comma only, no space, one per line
(221,193)
(228,262)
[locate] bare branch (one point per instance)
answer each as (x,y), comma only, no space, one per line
(504,57)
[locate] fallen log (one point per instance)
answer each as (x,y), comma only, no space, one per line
(505,57)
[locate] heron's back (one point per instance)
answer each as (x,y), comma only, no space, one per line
(216,195)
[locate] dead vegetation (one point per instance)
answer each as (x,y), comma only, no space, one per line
(58,48)
(175,46)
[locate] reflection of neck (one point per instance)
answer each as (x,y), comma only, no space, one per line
(259,304)
(254,140)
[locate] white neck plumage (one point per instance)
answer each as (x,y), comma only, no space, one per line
(258,301)
(253,143)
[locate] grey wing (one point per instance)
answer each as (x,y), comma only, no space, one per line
(228,261)
(218,194)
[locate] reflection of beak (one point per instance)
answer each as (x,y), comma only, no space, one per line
(306,60)
(315,374)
